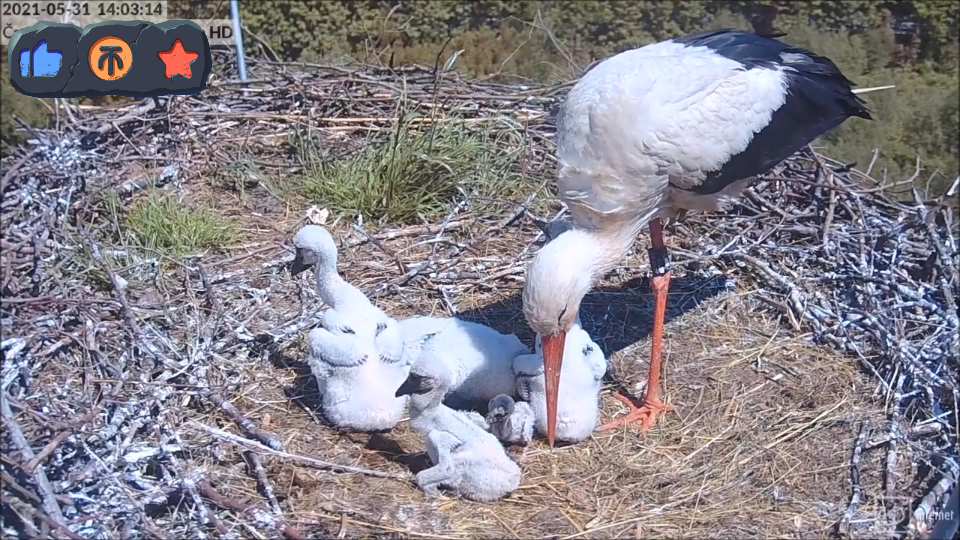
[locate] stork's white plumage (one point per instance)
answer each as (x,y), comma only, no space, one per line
(356,392)
(652,132)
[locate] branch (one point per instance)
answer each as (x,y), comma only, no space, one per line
(304,460)
(50,504)
(256,467)
(258,516)
(242,421)
(844,525)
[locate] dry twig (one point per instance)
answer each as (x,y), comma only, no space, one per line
(304,460)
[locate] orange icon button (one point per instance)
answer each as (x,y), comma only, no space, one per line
(177,60)
(110,58)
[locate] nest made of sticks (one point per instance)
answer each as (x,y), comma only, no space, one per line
(150,397)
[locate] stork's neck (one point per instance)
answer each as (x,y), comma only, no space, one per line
(331,288)
(592,251)
(612,248)
(565,270)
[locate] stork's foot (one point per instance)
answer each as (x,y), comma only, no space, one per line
(646,413)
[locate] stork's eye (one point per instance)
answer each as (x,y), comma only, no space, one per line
(560,318)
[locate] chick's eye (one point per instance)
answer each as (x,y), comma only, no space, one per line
(380,328)
(587,350)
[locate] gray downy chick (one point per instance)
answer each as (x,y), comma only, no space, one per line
(467,459)
(511,421)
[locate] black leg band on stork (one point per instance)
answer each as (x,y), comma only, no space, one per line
(659,256)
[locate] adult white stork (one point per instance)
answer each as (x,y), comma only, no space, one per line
(652,132)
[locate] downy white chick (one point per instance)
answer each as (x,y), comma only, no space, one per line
(355,394)
(466,458)
(578,407)
(353,313)
(474,361)
(510,421)
(356,354)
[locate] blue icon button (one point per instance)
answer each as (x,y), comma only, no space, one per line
(40,62)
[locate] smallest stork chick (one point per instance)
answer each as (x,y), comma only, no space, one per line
(466,458)
(510,421)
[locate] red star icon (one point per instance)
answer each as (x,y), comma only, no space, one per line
(177,60)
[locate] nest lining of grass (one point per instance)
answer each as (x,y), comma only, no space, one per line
(811,329)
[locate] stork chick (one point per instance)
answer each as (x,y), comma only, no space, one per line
(474,361)
(580,378)
(356,355)
(353,312)
(466,458)
(510,421)
(355,392)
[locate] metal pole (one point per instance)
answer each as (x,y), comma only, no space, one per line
(235,15)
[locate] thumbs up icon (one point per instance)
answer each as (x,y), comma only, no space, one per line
(40,62)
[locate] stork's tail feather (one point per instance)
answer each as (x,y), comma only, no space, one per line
(821,82)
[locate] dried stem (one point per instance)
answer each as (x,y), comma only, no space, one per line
(256,467)
(855,487)
(258,516)
(50,505)
(304,460)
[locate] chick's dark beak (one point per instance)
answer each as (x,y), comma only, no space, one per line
(415,384)
(298,265)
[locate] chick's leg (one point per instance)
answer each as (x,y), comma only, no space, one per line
(430,480)
(649,410)
(440,446)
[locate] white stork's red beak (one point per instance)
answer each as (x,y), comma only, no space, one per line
(552,360)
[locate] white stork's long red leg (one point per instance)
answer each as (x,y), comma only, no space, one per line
(651,407)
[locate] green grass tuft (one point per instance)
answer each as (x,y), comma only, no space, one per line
(161,222)
(414,176)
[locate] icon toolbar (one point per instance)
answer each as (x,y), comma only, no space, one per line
(124,58)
